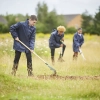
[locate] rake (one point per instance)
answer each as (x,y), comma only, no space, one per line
(82,54)
(51,68)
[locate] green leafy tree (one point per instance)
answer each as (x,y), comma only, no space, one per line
(87,22)
(51,21)
(97,22)
(71,30)
(47,21)
(11,19)
(42,11)
(20,17)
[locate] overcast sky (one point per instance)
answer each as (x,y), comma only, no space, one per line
(61,6)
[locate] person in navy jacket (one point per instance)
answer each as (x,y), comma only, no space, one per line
(55,42)
(78,40)
(25,32)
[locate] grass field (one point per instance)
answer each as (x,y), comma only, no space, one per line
(76,80)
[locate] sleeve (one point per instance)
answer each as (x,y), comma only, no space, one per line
(13,29)
(75,40)
(54,41)
(82,41)
(62,39)
(32,39)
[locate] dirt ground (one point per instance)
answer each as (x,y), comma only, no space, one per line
(57,77)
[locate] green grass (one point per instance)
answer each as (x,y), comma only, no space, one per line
(22,87)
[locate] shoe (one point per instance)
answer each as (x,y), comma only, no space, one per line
(30,72)
(60,59)
(52,59)
(14,69)
(13,72)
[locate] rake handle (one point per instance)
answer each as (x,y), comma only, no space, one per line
(31,50)
(38,57)
(82,54)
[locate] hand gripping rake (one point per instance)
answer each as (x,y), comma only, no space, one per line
(51,68)
(61,53)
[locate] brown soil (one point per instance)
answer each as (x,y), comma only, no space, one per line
(57,77)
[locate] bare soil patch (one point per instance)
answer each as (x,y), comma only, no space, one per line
(57,77)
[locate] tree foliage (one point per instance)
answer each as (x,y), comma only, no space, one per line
(11,19)
(91,24)
(86,22)
(47,21)
(97,22)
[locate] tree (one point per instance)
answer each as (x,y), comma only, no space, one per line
(11,19)
(87,22)
(51,21)
(71,30)
(97,22)
(42,11)
(47,21)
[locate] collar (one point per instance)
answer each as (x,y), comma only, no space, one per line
(27,22)
(79,34)
(58,34)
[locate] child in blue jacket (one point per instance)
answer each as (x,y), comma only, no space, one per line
(78,40)
(55,42)
(24,31)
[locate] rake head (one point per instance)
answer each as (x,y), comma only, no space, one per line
(51,68)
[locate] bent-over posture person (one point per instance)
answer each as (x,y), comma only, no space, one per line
(78,40)
(24,31)
(55,42)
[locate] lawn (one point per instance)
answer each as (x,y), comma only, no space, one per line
(75,80)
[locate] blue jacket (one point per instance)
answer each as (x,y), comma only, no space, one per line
(77,41)
(25,33)
(54,41)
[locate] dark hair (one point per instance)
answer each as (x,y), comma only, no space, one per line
(79,29)
(33,17)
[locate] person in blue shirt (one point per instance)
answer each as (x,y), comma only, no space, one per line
(55,42)
(25,32)
(78,40)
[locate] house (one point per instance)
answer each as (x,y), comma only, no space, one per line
(2,20)
(73,20)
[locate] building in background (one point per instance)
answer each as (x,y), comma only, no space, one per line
(73,20)
(2,20)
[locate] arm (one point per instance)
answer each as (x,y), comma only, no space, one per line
(32,40)
(62,39)
(82,41)
(54,41)
(75,41)
(13,29)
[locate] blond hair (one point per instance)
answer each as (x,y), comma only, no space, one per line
(61,28)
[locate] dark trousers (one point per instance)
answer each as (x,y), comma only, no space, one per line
(53,51)
(28,57)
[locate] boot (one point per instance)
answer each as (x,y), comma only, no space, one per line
(60,59)
(30,72)
(14,69)
(75,56)
(29,69)
(52,59)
